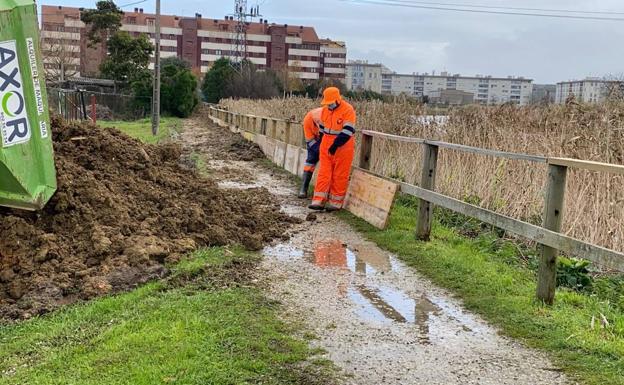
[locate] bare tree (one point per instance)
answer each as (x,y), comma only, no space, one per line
(60,59)
(614,87)
(289,78)
(250,83)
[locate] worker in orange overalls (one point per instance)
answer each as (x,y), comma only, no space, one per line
(336,152)
(311,124)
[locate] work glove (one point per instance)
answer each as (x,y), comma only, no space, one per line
(340,140)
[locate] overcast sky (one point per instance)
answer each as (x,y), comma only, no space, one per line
(419,40)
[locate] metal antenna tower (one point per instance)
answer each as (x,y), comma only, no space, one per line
(240,42)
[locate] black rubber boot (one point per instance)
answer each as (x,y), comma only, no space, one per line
(303,191)
(316,206)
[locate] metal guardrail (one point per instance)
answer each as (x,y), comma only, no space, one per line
(548,235)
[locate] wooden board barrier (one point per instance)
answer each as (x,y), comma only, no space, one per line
(269,148)
(303,155)
(279,157)
(370,198)
(291,164)
(261,142)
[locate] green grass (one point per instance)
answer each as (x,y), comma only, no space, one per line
(484,272)
(142,129)
(203,325)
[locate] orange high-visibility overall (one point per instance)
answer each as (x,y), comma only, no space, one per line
(311,132)
(333,178)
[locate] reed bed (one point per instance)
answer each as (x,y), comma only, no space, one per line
(594,210)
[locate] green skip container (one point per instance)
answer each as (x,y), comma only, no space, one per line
(27,174)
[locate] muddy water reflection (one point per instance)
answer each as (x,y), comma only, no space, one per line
(379,303)
(374,301)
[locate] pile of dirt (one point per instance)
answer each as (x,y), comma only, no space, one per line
(242,149)
(122,210)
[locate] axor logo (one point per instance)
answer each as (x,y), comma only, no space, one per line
(13,117)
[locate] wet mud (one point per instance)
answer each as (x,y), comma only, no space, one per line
(123,209)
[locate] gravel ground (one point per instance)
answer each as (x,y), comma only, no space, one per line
(380,321)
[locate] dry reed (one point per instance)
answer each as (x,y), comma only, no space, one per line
(594,210)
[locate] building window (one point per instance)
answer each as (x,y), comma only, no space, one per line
(131,20)
(150,22)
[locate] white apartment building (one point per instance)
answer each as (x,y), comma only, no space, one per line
(589,90)
(364,76)
(486,89)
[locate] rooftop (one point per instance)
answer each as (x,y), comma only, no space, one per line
(226,24)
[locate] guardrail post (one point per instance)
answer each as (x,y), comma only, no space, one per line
(553,217)
(427,181)
(366,148)
(93,109)
(263,126)
(287,132)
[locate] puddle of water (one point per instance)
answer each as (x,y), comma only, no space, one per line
(385,304)
(230,184)
(283,252)
(381,303)
(362,260)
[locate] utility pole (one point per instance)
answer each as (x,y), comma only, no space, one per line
(156,95)
(240,40)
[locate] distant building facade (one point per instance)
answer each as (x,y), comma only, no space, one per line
(543,93)
(589,90)
(485,89)
(199,41)
(364,76)
(451,97)
(333,60)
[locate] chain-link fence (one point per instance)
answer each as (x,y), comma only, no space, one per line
(82,105)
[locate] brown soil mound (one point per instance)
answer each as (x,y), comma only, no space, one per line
(121,211)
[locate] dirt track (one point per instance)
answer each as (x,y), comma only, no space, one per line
(378,319)
(122,210)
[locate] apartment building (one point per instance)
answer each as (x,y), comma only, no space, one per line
(485,89)
(364,76)
(589,90)
(200,41)
(333,60)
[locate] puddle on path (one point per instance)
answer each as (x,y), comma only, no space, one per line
(377,302)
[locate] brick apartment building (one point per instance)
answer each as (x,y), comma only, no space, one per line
(198,40)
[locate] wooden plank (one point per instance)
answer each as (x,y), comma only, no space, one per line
(397,138)
(296,134)
(303,155)
(279,157)
(281,130)
(261,141)
(600,255)
(587,165)
(291,164)
(427,181)
(269,148)
(458,147)
(366,147)
(370,198)
(485,151)
(553,217)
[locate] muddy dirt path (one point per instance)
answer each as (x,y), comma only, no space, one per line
(379,320)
